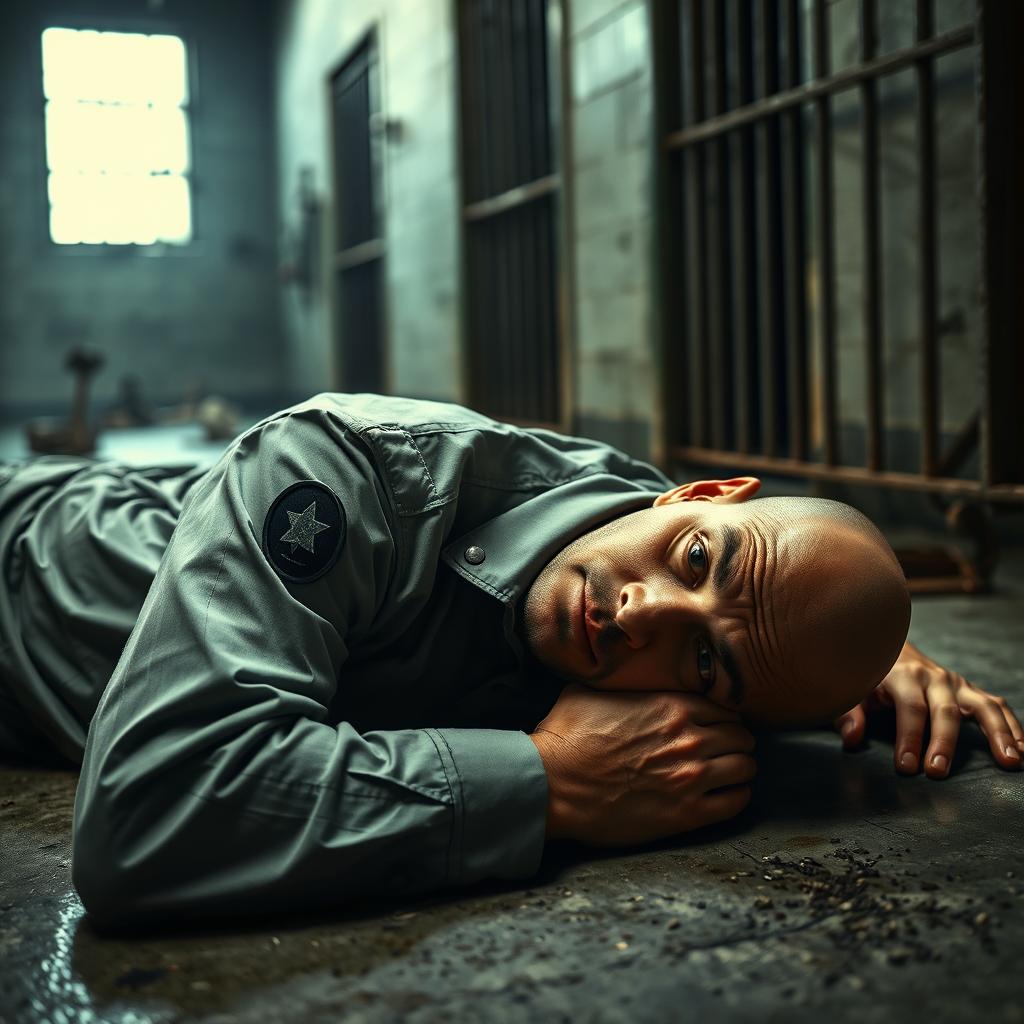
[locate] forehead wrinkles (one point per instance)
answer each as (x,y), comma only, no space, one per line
(765,646)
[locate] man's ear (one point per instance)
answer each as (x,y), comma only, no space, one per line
(724,492)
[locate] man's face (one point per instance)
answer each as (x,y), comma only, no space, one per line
(702,596)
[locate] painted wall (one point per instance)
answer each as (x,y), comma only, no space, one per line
(207,316)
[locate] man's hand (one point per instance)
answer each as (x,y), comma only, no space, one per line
(924,692)
(625,768)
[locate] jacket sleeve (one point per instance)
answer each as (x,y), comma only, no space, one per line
(214,782)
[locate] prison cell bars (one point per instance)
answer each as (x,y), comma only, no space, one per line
(693,133)
(510,72)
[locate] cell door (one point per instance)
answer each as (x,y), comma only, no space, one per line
(358,234)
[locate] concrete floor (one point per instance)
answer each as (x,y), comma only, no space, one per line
(844,892)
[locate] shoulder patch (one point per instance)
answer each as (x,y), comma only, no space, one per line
(304,531)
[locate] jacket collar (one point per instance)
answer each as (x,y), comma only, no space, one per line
(517,544)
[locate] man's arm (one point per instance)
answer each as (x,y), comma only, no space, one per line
(924,693)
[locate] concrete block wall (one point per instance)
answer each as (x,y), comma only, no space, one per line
(612,124)
(205,316)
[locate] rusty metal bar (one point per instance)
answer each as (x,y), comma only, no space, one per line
(364,252)
(847,474)
(743,250)
(718,341)
(518,96)
(494,205)
(928,294)
(702,361)
(768,231)
(795,247)
(776,103)
(826,241)
(874,398)
(1001,159)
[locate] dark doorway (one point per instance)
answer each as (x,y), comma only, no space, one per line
(359,243)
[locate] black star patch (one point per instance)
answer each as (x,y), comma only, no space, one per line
(304,531)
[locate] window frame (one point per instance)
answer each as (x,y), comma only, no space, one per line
(40,196)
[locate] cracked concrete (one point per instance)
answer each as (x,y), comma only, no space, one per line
(844,891)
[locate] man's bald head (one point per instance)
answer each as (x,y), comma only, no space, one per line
(848,603)
(791,610)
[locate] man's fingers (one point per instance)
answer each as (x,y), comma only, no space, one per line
(726,738)
(992,718)
(724,803)
(728,770)
(851,726)
(911,716)
(1014,724)
(704,711)
(945,720)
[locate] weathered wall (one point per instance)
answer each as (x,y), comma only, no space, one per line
(610,124)
(421,218)
(204,316)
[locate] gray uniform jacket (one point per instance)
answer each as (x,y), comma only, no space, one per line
(316,692)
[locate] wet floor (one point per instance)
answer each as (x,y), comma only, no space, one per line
(844,891)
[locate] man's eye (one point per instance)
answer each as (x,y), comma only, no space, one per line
(705,663)
(697,558)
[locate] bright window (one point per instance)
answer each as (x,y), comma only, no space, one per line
(116,137)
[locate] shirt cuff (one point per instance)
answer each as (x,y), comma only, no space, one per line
(500,793)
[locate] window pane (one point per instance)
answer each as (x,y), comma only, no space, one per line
(119,209)
(114,66)
(170,207)
(116,137)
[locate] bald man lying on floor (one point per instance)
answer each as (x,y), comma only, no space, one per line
(335,663)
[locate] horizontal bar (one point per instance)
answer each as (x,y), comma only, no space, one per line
(356,255)
(847,474)
(887,65)
(509,200)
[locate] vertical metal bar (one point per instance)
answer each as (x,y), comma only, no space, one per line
(928,250)
(537,165)
(501,112)
(669,234)
(719,339)
(699,160)
(560,155)
(742,242)
(768,234)
(872,244)
(548,311)
(519,114)
(795,247)
(826,240)
(535,366)
(483,85)
(1000,27)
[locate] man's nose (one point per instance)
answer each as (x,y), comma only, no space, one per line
(647,610)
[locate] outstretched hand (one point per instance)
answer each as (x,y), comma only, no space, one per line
(923,692)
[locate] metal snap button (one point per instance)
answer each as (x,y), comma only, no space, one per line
(474,555)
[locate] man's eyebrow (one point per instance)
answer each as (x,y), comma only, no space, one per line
(726,567)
